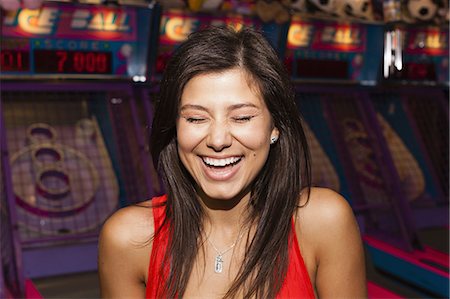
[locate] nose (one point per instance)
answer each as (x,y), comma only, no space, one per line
(219,137)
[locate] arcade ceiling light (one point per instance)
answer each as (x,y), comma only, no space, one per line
(392,51)
(392,57)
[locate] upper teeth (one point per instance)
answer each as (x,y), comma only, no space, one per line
(220,162)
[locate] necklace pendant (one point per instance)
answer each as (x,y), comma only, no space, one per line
(218,266)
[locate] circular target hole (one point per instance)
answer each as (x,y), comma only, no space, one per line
(41,134)
(53,184)
(47,155)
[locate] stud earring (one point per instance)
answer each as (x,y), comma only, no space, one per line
(273,139)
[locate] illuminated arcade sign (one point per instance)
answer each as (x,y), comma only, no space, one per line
(65,21)
(327,50)
(299,35)
(431,41)
(176,26)
(326,36)
(75,40)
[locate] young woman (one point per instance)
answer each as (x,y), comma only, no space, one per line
(239,219)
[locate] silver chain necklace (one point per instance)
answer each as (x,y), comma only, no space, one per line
(218,261)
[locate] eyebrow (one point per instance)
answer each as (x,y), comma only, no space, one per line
(242,105)
(230,108)
(195,107)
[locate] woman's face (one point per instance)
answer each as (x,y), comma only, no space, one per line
(223,132)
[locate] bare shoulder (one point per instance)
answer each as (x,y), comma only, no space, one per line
(331,244)
(326,221)
(324,208)
(124,251)
(130,225)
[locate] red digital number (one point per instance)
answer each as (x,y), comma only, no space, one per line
(101,62)
(90,62)
(71,62)
(62,57)
(7,60)
(12,60)
(78,62)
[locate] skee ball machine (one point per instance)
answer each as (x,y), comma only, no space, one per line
(12,283)
(70,148)
(383,168)
(326,57)
(411,111)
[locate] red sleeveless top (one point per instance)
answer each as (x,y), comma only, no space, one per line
(296,284)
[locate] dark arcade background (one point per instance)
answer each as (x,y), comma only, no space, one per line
(78,80)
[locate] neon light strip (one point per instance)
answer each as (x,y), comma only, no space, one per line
(375,292)
(408,257)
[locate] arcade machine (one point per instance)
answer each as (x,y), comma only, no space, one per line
(369,157)
(12,283)
(72,150)
(412,113)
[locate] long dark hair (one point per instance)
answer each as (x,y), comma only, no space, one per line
(276,190)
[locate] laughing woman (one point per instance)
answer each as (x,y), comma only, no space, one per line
(239,219)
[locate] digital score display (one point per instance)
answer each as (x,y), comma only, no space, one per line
(325,69)
(76,40)
(14,61)
(72,62)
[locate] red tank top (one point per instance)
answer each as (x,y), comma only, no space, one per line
(296,284)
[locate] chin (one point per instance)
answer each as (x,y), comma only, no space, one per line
(223,194)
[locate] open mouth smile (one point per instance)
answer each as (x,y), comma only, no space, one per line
(214,162)
(221,169)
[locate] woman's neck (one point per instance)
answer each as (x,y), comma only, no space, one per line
(225,219)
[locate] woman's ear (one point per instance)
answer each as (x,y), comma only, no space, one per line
(274,135)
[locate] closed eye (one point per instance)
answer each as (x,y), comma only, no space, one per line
(243,119)
(195,120)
